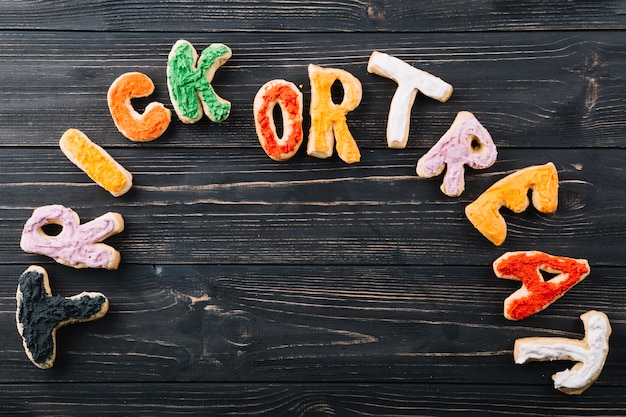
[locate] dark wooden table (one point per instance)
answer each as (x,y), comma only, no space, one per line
(313,287)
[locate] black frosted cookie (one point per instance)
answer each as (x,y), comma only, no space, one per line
(39,314)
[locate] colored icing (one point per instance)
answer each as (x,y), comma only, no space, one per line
(590,353)
(289,98)
(137,127)
(536,293)
(512,192)
(76,243)
(95,162)
(410,80)
(467,142)
(189,81)
(39,314)
(328,120)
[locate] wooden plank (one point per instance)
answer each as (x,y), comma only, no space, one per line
(236,206)
(318,16)
(531,90)
(304,323)
(303,400)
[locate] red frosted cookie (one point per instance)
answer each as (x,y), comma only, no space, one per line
(289,98)
(536,294)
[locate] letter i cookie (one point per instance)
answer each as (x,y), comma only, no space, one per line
(95,162)
(40,314)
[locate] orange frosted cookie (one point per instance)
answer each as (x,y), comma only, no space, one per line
(287,96)
(536,294)
(512,193)
(134,126)
(95,162)
(328,120)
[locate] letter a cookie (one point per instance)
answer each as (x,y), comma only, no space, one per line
(536,294)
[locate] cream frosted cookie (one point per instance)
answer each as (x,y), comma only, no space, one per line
(289,98)
(95,162)
(134,126)
(410,80)
(536,294)
(467,142)
(189,80)
(590,353)
(328,119)
(40,314)
(512,193)
(77,245)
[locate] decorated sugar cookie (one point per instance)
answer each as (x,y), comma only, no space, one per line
(40,314)
(189,80)
(536,294)
(328,120)
(77,245)
(467,142)
(286,95)
(134,126)
(512,192)
(589,353)
(410,80)
(95,162)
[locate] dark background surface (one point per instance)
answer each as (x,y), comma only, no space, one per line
(313,287)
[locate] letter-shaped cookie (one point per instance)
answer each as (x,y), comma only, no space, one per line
(589,353)
(328,120)
(410,80)
(467,142)
(95,162)
(189,81)
(134,126)
(537,294)
(512,192)
(76,245)
(39,314)
(289,98)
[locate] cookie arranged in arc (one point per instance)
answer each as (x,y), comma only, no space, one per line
(95,162)
(512,193)
(410,80)
(40,314)
(536,294)
(328,120)
(137,127)
(467,142)
(76,245)
(189,80)
(286,95)
(589,353)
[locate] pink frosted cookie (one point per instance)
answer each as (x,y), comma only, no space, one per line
(467,142)
(77,245)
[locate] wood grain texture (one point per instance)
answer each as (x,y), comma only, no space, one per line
(302,400)
(313,287)
(237,206)
(313,16)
